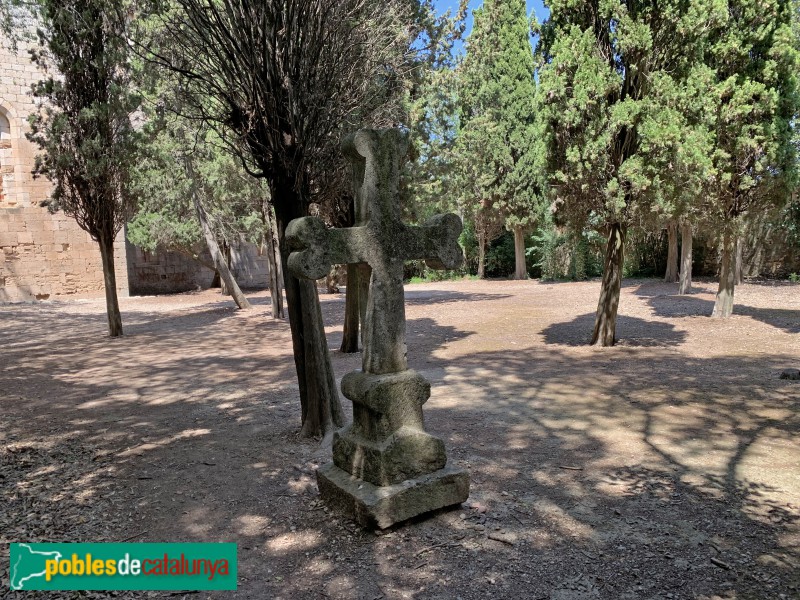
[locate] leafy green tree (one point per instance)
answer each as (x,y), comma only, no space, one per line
(676,138)
(604,65)
(754,57)
(498,150)
(431,113)
(428,176)
(195,198)
(84,127)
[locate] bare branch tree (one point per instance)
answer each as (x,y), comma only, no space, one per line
(281,80)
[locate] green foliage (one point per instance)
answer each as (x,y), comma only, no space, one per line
(416,271)
(498,157)
(468,240)
(167,219)
(500,256)
(658,110)
(84,127)
(579,264)
(432,121)
(163,229)
(614,86)
(433,275)
(562,254)
(790,219)
(794,278)
(545,252)
(645,253)
(753,54)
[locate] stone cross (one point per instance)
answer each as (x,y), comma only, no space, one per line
(386,468)
(384,242)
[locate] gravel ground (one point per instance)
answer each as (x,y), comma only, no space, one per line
(665,467)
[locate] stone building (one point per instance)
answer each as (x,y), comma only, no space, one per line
(44,255)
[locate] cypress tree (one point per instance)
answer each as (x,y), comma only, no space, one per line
(608,72)
(84,128)
(754,57)
(497,148)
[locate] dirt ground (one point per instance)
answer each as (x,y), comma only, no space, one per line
(665,467)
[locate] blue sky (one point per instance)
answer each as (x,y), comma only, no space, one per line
(533,5)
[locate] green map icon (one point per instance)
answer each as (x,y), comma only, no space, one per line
(28,564)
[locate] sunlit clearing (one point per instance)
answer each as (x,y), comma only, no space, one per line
(296,541)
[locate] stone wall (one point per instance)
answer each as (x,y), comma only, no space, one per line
(169,272)
(164,272)
(47,256)
(41,255)
(250,266)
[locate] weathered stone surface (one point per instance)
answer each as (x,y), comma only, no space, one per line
(384,243)
(405,454)
(383,506)
(386,442)
(386,467)
(387,402)
(42,255)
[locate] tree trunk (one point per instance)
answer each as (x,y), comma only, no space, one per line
(686,258)
(275,289)
(738,273)
(220,264)
(278,261)
(481,253)
(219,260)
(671,275)
(319,400)
(723,306)
(357,293)
(106,244)
(351,312)
(223,287)
(520,271)
(605,322)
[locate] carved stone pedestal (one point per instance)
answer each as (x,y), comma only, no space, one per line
(386,468)
(382,506)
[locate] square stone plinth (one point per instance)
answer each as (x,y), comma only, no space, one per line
(371,505)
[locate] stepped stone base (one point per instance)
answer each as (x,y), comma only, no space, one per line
(382,506)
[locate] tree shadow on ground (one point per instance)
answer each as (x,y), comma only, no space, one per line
(333,305)
(434,297)
(631,331)
(692,488)
(555,508)
(596,476)
(773,283)
(121,430)
(666,304)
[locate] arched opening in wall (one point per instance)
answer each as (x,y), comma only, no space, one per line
(6,164)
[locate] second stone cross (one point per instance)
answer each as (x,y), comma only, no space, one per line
(386,468)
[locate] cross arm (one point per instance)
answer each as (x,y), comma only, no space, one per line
(314,248)
(437,242)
